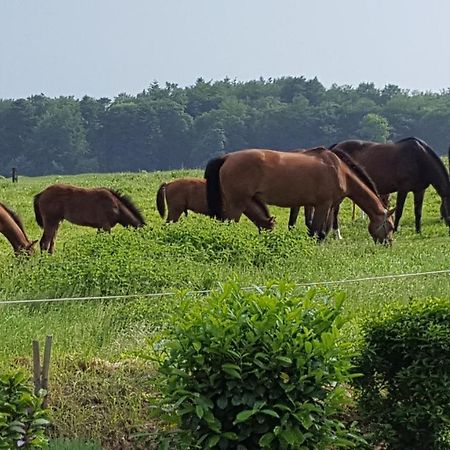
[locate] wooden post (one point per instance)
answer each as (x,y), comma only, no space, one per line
(36,368)
(14,176)
(41,375)
(46,367)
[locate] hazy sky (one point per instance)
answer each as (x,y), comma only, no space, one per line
(104,47)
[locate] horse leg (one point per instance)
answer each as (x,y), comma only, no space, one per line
(401,197)
(47,242)
(320,221)
(174,214)
(309,214)
(293,217)
(335,214)
(418,203)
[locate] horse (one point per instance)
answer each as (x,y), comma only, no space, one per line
(408,165)
(317,178)
(100,208)
(186,194)
(12,228)
(334,224)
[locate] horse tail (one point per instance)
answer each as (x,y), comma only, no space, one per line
(213,191)
(357,169)
(37,210)
(126,201)
(160,200)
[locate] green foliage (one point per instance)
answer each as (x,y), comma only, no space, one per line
(23,420)
(172,127)
(405,391)
(66,444)
(249,370)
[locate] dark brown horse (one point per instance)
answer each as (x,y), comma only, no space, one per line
(186,194)
(12,228)
(99,208)
(409,165)
(318,179)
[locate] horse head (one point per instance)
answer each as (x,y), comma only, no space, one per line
(381,227)
(27,250)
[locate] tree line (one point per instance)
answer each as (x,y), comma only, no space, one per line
(170,127)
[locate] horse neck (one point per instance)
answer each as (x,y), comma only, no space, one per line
(15,236)
(364,197)
(439,178)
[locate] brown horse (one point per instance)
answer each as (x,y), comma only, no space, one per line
(99,208)
(318,179)
(409,165)
(12,228)
(186,194)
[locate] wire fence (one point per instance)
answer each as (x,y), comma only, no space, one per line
(209,291)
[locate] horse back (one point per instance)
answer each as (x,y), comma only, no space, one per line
(187,194)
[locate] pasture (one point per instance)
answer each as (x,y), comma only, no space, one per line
(101,378)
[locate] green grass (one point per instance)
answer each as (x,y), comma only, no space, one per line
(96,340)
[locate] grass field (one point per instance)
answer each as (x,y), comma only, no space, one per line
(100,386)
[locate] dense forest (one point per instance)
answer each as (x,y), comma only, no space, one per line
(173,127)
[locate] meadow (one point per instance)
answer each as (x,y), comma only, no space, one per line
(101,378)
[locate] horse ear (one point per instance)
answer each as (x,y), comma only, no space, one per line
(31,244)
(390,212)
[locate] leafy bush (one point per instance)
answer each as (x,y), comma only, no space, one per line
(405,391)
(69,444)
(22,418)
(248,370)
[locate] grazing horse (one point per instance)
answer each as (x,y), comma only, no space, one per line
(186,194)
(99,208)
(317,178)
(409,165)
(12,228)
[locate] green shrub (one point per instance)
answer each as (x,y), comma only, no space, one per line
(69,444)
(405,391)
(248,370)
(22,418)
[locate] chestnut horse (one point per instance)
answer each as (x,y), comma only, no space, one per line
(99,208)
(409,165)
(12,228)
(317,178)
(186,194)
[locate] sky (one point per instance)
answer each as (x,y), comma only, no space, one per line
(102,48)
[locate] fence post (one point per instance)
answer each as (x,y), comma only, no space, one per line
(14,176)
(36,368)
(41,374)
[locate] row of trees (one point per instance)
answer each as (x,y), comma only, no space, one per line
(173,127)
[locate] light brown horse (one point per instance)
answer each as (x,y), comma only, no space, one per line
(409,165)
(186,194)
(99,208)
(318,179)
(12,228)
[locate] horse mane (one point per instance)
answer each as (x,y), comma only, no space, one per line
(430,152)
(356,168)
(14,217)
(128,203)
